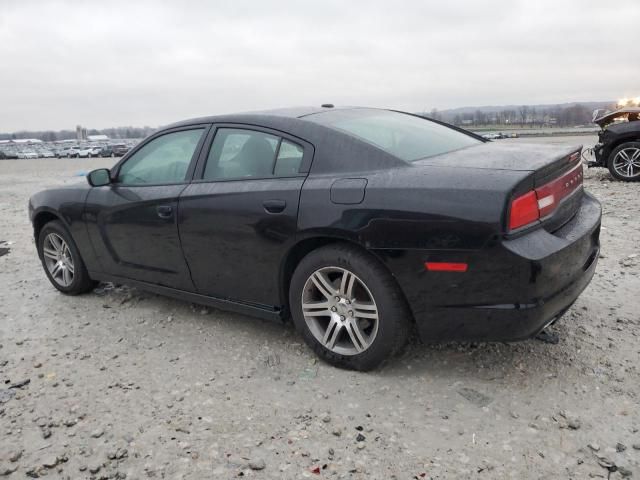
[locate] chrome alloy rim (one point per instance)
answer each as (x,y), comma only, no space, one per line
(627,162)
(340,310)
(58,259)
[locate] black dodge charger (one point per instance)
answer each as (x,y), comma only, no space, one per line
(357,223)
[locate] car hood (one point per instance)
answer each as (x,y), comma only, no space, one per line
(502,156)
(607,118)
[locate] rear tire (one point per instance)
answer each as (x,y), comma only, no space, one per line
(624,162)
(61,260)
(354,315)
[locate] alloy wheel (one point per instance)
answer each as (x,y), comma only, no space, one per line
(58,259)
(340,310)
(627,162)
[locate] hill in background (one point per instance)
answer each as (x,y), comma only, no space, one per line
(549,115)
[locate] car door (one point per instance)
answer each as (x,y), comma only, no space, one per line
(238,217)
(132,222)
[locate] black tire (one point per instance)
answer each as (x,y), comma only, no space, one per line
(394,316)
(610,162)
(81,283)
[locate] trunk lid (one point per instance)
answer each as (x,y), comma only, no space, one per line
(554,182)
(544,160)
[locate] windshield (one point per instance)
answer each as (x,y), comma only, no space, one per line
(408,137)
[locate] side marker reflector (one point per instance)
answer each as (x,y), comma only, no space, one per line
(445,267)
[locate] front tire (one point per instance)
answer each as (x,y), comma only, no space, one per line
(61,260)
(624,162)
(348,308)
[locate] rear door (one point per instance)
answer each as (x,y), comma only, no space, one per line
(238,218)
(133,221)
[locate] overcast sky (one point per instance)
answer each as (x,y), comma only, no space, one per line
(113,63)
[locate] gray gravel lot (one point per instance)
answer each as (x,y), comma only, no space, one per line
(124,383)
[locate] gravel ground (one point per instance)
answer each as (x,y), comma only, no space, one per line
(125,384)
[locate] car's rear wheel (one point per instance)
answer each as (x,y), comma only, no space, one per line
(348,308)
(61,260)
(624,162)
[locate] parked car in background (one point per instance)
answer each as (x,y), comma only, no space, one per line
(359,224)
(618,147)
(68,152)
(10,154)
(27,154)
(89,151)
(493,136)
(86,151)
(116,150)
(46,154)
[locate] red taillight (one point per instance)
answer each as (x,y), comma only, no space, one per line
(550,194)
(542,201)
(445,267)
(524,210)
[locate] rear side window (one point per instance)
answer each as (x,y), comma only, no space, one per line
(407,137)
(289,159)
(238,153)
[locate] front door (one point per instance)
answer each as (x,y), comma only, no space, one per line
(238,218)
(132,223)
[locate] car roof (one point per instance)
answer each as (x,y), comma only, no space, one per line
(263,117)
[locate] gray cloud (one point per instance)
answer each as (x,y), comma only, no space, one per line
(150,63)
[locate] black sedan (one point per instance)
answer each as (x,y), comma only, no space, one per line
(356,223)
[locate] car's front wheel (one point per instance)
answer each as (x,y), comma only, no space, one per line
(624,162)
(348,308)
(61,260)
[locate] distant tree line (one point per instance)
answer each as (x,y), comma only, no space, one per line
(52,136)
(561,116)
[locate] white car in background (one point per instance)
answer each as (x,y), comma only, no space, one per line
(84,152)
(68,152)
(89,151)
(27,154)
(95,151)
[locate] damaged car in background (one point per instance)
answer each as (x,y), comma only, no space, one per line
(618,147)
(360,225)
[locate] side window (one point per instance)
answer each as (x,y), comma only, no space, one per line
(237,153)
(163,160)
(289,159)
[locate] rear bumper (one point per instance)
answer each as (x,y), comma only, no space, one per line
(512,289)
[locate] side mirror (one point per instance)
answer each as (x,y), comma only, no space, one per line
(99,177)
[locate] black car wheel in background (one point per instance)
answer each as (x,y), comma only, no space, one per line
(624,162)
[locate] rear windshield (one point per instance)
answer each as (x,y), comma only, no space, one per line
(408,137)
